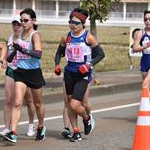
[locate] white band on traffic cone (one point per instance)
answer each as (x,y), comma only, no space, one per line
(143,120)
(145,104)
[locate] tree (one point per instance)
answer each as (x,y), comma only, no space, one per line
(97,10)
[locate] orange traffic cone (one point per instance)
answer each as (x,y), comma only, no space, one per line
(142,130)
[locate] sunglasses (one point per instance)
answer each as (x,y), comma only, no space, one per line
(74,22)
(146,19)
(24,20)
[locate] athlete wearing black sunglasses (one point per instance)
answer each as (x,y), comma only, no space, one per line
(82,51)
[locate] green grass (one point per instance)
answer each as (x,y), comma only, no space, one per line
(114,40)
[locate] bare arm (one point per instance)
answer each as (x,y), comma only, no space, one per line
(3,51)
(37,41)
(3,55)
(91,40)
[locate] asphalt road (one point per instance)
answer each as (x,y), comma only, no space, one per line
(115,117)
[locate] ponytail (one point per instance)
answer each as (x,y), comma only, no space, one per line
(35,26)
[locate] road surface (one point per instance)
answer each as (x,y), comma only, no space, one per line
(115,117)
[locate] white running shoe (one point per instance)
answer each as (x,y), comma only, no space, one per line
(31,131)
(4,131)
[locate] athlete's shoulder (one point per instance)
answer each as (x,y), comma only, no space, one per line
(91,40)
(64,38)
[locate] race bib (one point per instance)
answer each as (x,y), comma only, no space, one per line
(74,53)
(145,41)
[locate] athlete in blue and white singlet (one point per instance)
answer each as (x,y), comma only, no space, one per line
(142,44)
(82,51)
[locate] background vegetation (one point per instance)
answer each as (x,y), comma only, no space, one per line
(114,40)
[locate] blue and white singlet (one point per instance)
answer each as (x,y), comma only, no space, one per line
(26,61)
(145,59)
(77,51)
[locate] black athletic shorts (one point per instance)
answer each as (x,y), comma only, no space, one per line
(76,84)
(9,72)
(33,78)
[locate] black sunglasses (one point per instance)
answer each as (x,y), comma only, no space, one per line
(74,22)
(24,20)
(146,19)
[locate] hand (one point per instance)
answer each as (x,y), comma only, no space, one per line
(11,56)
(4,64)
(84,68)
(17,47)
(148,44)
(57,70)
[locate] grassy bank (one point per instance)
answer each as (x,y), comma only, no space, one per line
(114,40)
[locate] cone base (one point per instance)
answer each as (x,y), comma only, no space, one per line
(142,138)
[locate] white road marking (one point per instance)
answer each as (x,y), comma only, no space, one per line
(94,111)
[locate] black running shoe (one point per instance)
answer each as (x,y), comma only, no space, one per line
(76,137)
(66,133)
(11,137)
(89,125)
(41,133)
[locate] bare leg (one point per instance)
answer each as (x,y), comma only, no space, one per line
(76,108)
(146,81)
(9,92)
(20,89)
(65,110)
(86,102)
(144,74)
(30,105)
(40,110)
(31,111)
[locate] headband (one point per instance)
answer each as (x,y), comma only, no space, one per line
(79,16)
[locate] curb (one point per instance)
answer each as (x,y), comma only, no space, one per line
(95,91)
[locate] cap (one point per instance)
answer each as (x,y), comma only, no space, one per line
(16,18)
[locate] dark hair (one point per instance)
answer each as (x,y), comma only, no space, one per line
(80,11)
(31,13)
(146,12)
(133,32)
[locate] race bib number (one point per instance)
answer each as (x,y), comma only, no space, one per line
(74,53)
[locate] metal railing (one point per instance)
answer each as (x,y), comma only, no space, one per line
(129,15)
(50,16)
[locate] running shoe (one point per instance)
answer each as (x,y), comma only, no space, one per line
(41,133)
(89,125)
(66,133)
(31,131)
(11,137)
(76,137)
(4,131)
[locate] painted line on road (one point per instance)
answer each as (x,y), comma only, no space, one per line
(116,107)
(94,111)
